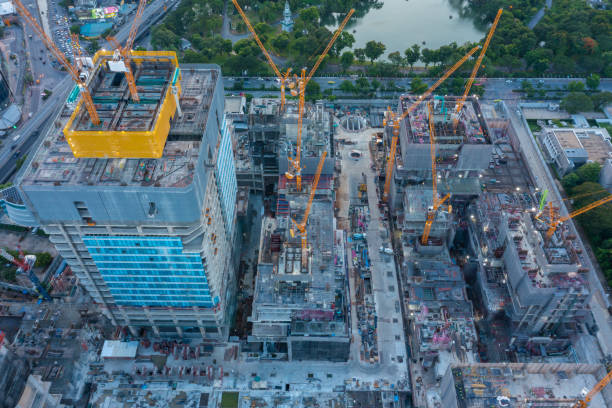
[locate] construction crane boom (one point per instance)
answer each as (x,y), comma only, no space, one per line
(470,81)
(301,227)
(554,221)
(594,391)
(257,40)
(443,78)
(436,202)
(74,73)
(394,121)
(135,24)
(330,44)
(25,263)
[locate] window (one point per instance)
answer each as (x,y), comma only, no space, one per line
(152,209)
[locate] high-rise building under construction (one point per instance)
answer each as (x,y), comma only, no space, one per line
(142,205)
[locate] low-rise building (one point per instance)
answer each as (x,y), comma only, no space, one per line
(568,148)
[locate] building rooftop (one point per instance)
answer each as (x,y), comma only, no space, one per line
(54,163)
(471,127)
(594,141)
(119,349)
(521,385)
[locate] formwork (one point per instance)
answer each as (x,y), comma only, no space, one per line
(127,129)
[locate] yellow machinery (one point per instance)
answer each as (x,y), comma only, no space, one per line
(394,121)
(295,168)
(437,201)
(553,214)
(301,227)
(470,81)
(123,54)
(72,70)
(596,389)
(103,142)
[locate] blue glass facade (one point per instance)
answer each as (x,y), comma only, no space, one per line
(226,174)
(150,271)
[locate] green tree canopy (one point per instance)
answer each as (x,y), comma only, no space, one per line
(589,172)
(313,91)
(575,86)
(577,102)
(374,49)
(396,58)
(346,60)
(592,81)
(412,55)
(417,86)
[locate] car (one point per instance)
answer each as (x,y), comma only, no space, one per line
(331,82)
(355,154)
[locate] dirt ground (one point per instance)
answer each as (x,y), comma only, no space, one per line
(28,241)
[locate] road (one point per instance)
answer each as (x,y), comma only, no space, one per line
(538,16)
(390,331)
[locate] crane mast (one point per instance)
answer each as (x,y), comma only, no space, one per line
(555,220)
(72,70)
(124,53)
(394,120)
(301,227)
(468,86)
(436,201)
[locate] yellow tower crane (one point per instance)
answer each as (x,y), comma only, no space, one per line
(295,168)
(72,70)
(470,81)
(437,201)
(553,214)
(123,54)
(394,121)
(584,403)
(301,227)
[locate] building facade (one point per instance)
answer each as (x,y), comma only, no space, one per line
(149,239)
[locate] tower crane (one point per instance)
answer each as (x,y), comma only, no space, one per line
(470,81)
(281,77)
(584,403)
(72,70)
(554,219)
(123,54)
(301,227)
(25,263)
(295,168)
(437,201)
(394,120)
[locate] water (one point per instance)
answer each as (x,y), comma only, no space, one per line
(401,23)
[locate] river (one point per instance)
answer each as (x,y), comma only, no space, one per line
(401,23)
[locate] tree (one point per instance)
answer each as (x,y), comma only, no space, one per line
(310,16)
(589,172)
(570,181)
(374,49)
(75,29)
(575,86)
(281,42)
(347,86)
(360,54)
(93,46)
(164,39)
(313,91)
(601,99)
(417,86)
(396,58)
(375,84)
(592,81)
(577,102)
(412,55)
(346,60)
(362,85)
(344,40)
(43,260)
(597,222)
(428,56)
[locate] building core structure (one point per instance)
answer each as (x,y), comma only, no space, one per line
(148,233)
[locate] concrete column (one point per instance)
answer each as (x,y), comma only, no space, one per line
(151,322)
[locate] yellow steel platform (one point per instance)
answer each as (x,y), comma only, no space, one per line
(124,143)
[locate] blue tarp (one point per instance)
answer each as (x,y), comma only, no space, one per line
(91,30)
